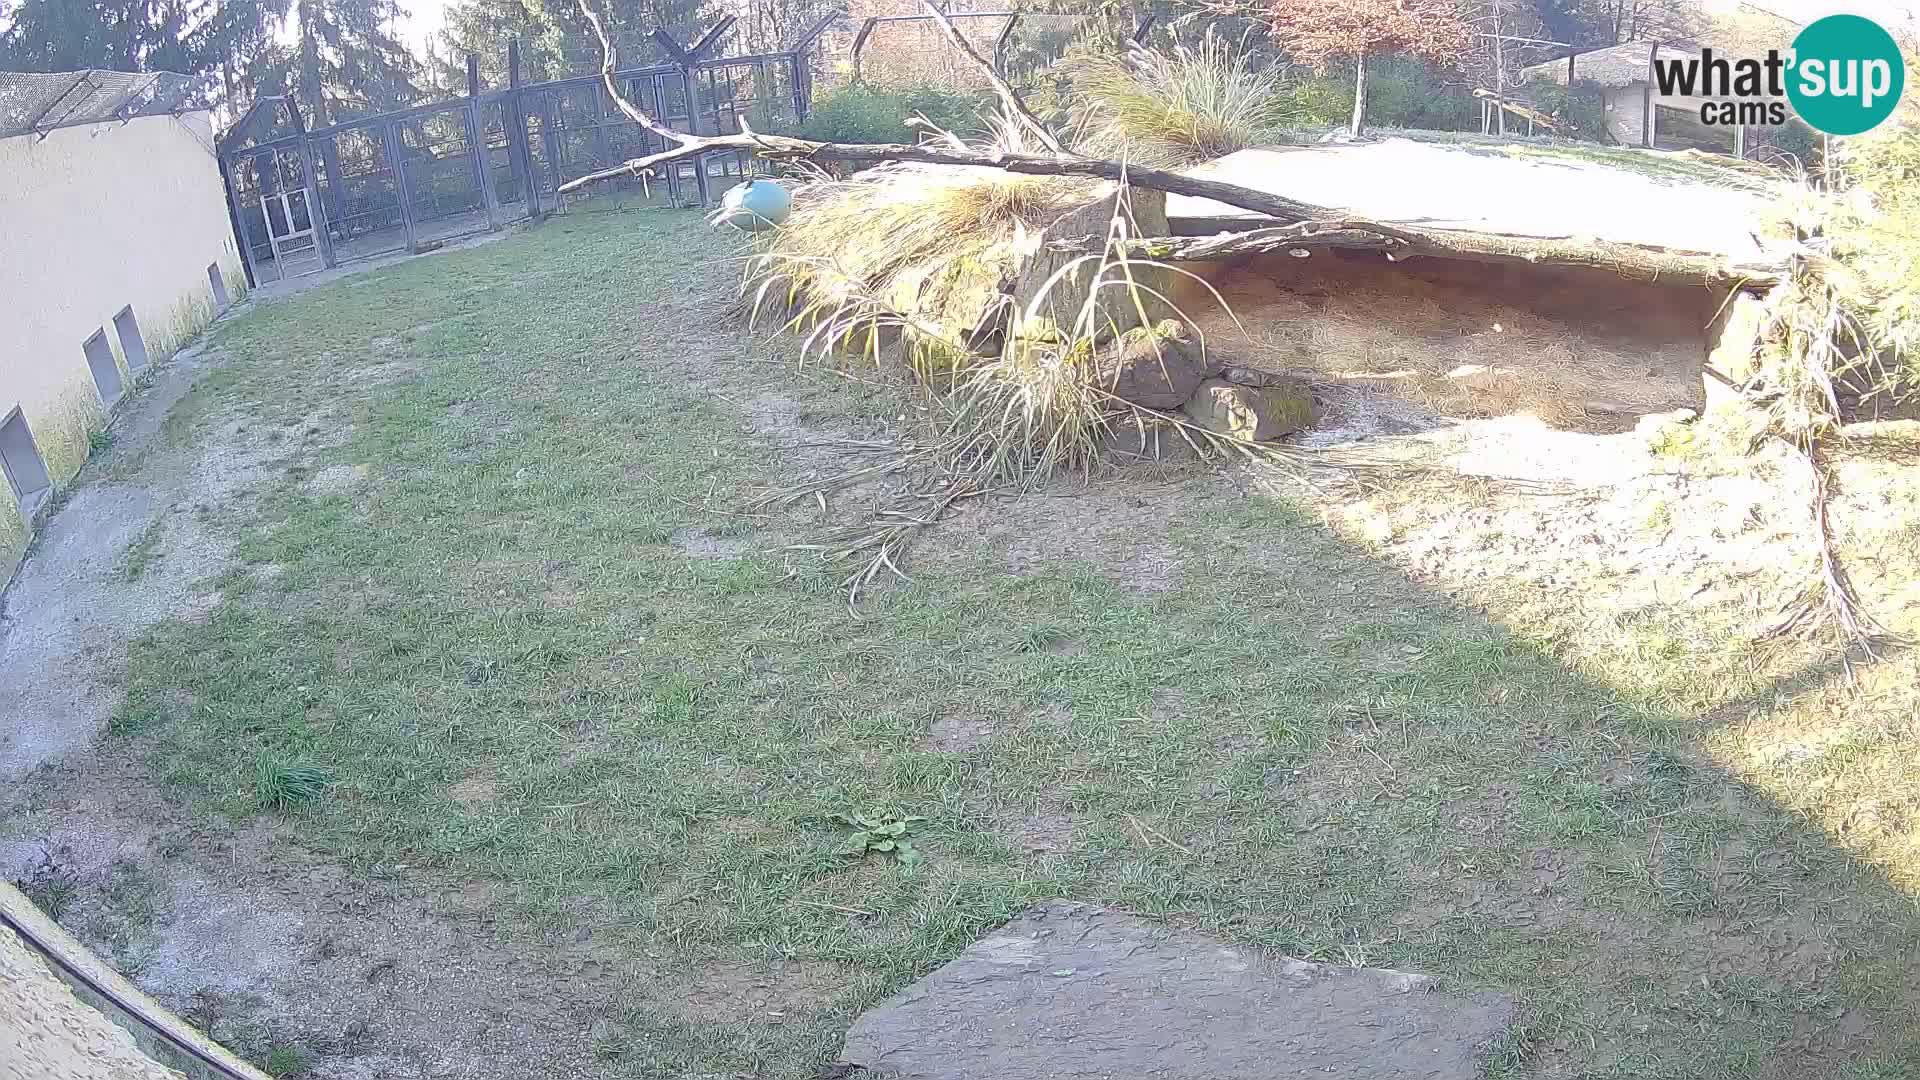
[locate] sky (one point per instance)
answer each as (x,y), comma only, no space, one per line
(425,17)
(423,22)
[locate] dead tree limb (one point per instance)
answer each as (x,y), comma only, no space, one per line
(787,148)
(606,76)
(1524,112)
(1299,224)
(1008,99)
(1636,261)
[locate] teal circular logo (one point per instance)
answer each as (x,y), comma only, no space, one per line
(1846,76)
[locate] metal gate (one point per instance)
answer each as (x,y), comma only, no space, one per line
(277,215)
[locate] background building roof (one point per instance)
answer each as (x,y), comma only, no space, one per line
(33,102)
(1612,67)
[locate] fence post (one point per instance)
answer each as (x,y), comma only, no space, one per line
(671,172)
(803,65)
(796,68)
(237,219)
(1000,45)
(691,75)
(687,61)
(514,116)
(548,119)
(316,213)
(603,150)
(860,43)
(477,144)
(390,140)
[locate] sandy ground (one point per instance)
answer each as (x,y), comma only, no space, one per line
(50,1034)
(1482,188)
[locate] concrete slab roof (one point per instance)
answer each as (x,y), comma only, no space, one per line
(1519,191)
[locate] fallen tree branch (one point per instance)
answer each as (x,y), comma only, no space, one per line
(1299,225)
(1522,111)
(1636,261)
(1320,232)
(1008,99)
(787,148)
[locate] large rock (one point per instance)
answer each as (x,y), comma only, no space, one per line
(1071,991)
(1052,286)
(1253,376)
(1158,367)
(1254,413)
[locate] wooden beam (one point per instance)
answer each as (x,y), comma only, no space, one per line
(514,116)
(860,43)
(396,159)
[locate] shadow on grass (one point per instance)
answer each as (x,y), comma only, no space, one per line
(1295,747)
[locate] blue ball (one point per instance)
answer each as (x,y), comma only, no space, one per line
(754,206)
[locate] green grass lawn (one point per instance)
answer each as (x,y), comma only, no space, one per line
(508,673)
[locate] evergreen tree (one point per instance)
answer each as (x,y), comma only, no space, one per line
(338,58)
(555,40)
(188,37)
(345,61)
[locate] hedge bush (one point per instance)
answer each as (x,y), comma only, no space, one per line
(859,113)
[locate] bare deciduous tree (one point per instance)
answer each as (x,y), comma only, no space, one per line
(1320,32)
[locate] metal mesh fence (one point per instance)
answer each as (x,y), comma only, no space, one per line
(404,180)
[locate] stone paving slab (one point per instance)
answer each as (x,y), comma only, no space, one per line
(1069,991)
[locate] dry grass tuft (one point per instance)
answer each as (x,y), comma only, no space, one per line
(1168,109)
(900,245)
(1008,419)
(1844,316)
(1874,234)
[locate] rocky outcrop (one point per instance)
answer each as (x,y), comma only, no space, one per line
(1157,367)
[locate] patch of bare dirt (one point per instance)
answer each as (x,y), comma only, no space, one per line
(959,731)
(1123,531)
(258,943)
(702,544)
(337,479)
(475,790)
(762,993)
(73,609)
(1625,527)
(1045,833)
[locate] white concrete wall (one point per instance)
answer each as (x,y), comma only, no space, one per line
(93,219)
